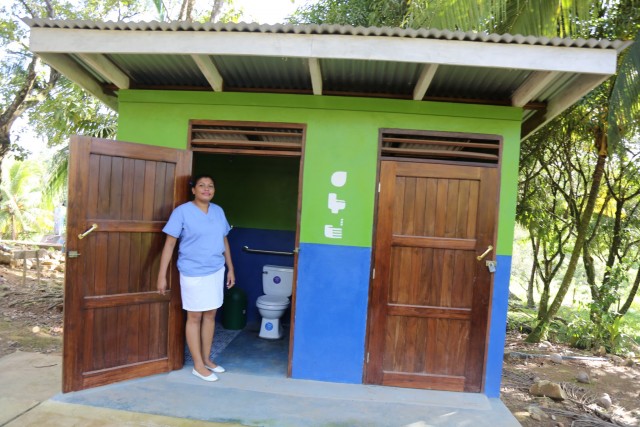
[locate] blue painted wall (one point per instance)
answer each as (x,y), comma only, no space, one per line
(330,324)
(497,328)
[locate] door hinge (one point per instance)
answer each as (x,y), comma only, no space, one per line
(373,276)
(367,357)
(378,187)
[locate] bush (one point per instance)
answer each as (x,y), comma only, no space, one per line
(582,333)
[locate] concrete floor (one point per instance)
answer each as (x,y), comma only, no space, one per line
(265,398)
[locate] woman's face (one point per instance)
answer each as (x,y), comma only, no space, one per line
(204,190)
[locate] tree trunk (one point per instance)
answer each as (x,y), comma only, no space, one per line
(631,296)
(544,300)
(535,246)
(5,145)
(583,228)
(614,249)
(590,271)
(215,10)
(17,106)
(14,235)
(20,103)
(532,281)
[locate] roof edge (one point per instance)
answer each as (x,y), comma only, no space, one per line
(332,29)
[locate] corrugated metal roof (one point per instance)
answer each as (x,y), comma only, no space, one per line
(328,29)
(425,64)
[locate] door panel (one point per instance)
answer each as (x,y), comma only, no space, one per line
(116,325)
(430,295)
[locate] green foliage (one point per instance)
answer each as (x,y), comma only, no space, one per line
(582,333)
(364,13)
(30,88)
(55,190)
(631,323)
(69,110)
(625,98)
(618,335)
(520,319)
(196,11)
(538,17)
(22,215)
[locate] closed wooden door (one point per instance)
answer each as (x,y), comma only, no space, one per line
(116,326)
(428,311)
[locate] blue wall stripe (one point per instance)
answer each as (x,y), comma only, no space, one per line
(498,327)
(331,313)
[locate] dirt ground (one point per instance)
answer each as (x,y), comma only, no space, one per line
(31,320)
(30,313)
(618,377)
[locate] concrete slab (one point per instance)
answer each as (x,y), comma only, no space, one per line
(57,414)
(268,401)
(27,379)
(33,398)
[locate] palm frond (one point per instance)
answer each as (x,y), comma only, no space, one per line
(56,181)
(624,108)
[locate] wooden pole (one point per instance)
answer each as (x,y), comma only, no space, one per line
(24,268)
(38,264)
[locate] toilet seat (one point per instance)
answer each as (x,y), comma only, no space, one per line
(272,301)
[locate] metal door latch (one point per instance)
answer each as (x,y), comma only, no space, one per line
(83,235)
(485,253)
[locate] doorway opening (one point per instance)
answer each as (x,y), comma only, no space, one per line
(257,169)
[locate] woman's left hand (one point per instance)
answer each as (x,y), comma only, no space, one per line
(231,279)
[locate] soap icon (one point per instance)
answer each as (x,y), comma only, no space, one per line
(339,178)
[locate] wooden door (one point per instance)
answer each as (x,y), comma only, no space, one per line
(116,326)
(430,295)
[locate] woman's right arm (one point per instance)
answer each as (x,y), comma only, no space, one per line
(165,259)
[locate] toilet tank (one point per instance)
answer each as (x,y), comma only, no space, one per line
(277,280)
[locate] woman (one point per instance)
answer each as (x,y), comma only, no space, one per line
(203,252)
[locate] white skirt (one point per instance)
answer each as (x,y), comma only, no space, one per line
(202,293)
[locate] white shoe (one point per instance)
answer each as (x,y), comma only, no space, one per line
(218,369)
(212,377)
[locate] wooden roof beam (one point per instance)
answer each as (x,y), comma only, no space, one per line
(563,100)
(316,75)
(424,81)
(107,69)
(210,71)
(532,86)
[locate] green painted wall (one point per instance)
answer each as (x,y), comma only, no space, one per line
(246,185)
(342,136)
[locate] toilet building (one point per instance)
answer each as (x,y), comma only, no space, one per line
(380,164)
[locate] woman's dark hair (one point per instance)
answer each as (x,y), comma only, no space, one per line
(193,181)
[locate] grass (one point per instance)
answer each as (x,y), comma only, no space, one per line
(573,326)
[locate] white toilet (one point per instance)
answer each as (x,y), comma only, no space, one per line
(277,284)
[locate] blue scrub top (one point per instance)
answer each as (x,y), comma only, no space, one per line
(201,238)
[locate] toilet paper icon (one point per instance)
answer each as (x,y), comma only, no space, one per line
(334,204)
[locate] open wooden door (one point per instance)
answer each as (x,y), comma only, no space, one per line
(430,295)
(116,326)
